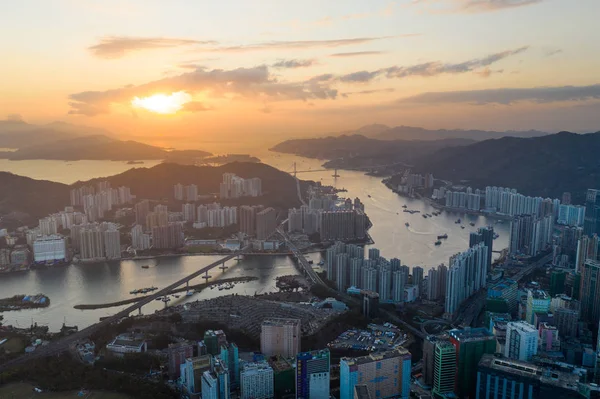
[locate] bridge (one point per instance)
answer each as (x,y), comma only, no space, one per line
(295,171)
(63,344)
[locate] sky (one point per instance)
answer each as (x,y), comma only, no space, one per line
(181,72)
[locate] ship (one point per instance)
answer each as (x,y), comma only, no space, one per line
(424,216)
(189,293)
(404,206)
(457,221)
(145,266)
(407,224)
(438,242)
(472,224)
(462,227)
(443,236)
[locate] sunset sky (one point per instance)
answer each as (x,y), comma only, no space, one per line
(165,71)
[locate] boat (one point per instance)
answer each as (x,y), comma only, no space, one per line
(310,262)
(424,216)
(160,298)
(438,242)
(145,266)
(496,235)
(220,288)
(457,221)
(404,206)
(443,236)
(472,224)
(369,195)
(189,293)
(176,296)
(407,224)
(462,227)
(321,263)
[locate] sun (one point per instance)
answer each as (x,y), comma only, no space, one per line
(162,103)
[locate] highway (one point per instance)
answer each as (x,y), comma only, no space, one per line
(63,344)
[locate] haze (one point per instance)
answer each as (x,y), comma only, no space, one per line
(250,71)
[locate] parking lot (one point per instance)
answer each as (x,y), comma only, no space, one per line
(375,338)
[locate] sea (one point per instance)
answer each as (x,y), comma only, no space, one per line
(71,285)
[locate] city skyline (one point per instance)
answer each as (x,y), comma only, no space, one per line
(299,68)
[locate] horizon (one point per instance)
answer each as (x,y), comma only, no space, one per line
(164,74)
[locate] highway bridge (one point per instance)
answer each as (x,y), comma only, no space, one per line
(63,344)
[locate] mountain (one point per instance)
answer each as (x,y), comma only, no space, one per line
(18,134)
(540,166)
(418,133)
(97,147)
(23,200)
(384,132)
(360,151)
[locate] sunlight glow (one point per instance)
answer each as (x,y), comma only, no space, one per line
(162,103)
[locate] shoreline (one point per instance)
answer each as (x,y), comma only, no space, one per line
(196,287)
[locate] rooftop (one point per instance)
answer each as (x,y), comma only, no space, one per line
(539,294)
(373,357)
(471,334)
(281,322)
(280,364)
(521,326)
(545,376)
(318,354)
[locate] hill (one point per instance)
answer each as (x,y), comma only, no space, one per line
(418,133)
(358,151)
(541,166)
(279,188)
(18,134)
(24,200)
(96,147)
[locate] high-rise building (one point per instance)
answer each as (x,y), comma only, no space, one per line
(215,382)
(214,340)
(257,381)
(230,358)
(284,376)
(587,248)
(590,291)
(466,276)
(139,239)
(192,371)
(385,284)
(521,340)
(280,337)
(191,193)
(342,225)
(235,187)
(167,237)
(591,223)
(177,354)
(178,191)
(506,291)
(370,304)
(485,235)
(266,223)
(444,369)
(52,248)
(312,374)
(538,301)
(141,209)
(386,374)
(566,198)
(112,243)
(189,212)
(566,315)
(248,219)
(398,284)
(471,344)
(508,378)
(417,277)
(571,215)
(362,392)
(433,282)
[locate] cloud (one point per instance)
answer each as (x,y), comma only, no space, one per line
(290,64)
(357,53)
(550,53)
(302,44)
(255,82)
(195,106)
(360,77)
(363,92)
(119,46)
(472,6)
(429,69)
(510,95)
(487,72)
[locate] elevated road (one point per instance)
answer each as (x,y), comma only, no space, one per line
(57,347)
